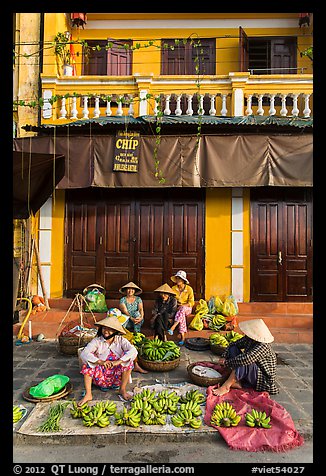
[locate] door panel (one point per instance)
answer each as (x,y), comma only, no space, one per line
(143,236)
(281,244)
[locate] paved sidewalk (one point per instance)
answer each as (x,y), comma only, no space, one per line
(35,361)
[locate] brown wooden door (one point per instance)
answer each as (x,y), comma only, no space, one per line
(143,236)
(281,244)
(243,50)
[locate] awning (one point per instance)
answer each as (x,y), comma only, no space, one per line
(35,176)
(226,160)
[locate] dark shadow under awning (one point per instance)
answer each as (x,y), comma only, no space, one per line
(35,176)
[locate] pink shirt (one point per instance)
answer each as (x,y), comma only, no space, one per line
(99,349)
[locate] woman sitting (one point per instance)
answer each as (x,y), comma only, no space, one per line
(164,310)
(132,305)
(108,359)
(186,301)
(252,360)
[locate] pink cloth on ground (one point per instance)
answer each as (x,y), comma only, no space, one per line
(281,437)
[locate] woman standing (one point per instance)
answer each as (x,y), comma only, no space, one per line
(163,312)
(108,359)
(185,300)
(132,305)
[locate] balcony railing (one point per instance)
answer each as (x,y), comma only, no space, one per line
(236,94)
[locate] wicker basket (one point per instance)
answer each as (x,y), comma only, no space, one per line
(156,366)
(206,381)
(217,349)
(70,344)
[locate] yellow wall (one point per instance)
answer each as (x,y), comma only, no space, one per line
(218,242)
(57,252)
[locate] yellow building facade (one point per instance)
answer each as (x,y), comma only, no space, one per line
(238,85)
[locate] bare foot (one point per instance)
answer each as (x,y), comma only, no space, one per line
(139,369)
(220,391)
(126,395)
(86,398)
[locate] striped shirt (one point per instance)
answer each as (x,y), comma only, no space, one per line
(260,354)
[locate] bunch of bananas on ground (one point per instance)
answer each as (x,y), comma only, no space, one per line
(218,339)
(225,415)
(193,395)
(153,417)
(166,402)
(156,349)
(130,417)
(146,395)
(17,413)
(217,322)
(258,419)
(193,406)
(79,411)
(98,414)
(185,417)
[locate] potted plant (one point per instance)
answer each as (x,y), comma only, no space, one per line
(62,52)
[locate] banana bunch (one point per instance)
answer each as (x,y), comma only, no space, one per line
(259,419)
(218,339)
(225,415)
(185,417)
(232,336)
(141,405)
(96,416)
(17,413)
(79,411)
(193,395)
(156,349)
(217,322)
(137,339)
(153,417)
(129,418)
(166,402)
(193,407)
(145,396)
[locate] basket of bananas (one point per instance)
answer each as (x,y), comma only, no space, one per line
(158,356)
(219,341)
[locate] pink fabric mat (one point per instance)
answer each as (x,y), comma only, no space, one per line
(281,437)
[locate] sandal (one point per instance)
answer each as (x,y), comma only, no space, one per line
(180,343)
(170,331)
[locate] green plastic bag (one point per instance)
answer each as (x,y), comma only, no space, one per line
(49,386)
(95,301)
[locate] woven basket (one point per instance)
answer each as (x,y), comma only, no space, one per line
(206,381)
(156,366)
(70,344)
(217,349)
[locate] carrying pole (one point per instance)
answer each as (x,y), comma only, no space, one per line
(39,268)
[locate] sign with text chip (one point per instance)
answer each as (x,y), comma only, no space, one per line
(126,152)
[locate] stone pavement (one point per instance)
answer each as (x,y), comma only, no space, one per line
(34,361)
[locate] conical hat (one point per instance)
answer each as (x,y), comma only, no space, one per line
(165,288)
(257,330)
(111,322)
(138,290)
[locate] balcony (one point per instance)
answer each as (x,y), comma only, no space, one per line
(68,98)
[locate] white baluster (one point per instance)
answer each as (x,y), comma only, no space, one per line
(131,111)
(260,109)
(272,109)
(167,110)
(249,102)
(108,111)
(178,110)
(201,111)
(224,110)
(119,110)
(189,110)
(307,110)
(85,110)
(74,111)
(63,110)
(283,110)
(157,102)
(212,111)
(97,111)
(295,110)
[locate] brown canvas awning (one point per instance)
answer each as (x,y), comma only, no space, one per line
(35,176)
(220,161)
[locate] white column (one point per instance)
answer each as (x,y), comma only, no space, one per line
(283,110)
(189,110)
(295,110)
(212,111)
(307,110)
(178,110)
(249,102)
(272,110)
(45,234)
(74,111)
(238,102)
(223,109)
(47,107)
(167,110)
(143,105)
(260,109)
(237,244)
(85,110)
(119,109)
(63,110)
(97,111)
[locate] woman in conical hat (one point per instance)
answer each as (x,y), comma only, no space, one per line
(164,310)
(251,359)
(132,305)
(108,359)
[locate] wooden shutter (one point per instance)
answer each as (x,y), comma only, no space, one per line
(96,62)
(243,50)
(119,59)
(283,55)
(206,55)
